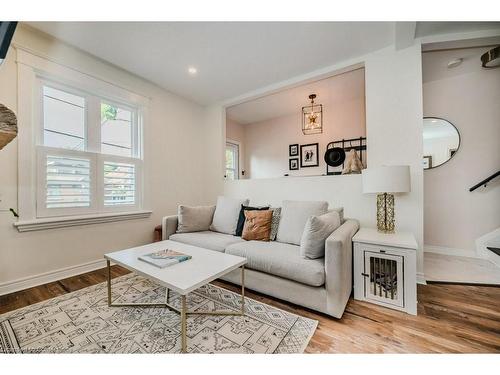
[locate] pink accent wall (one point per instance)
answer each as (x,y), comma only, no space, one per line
(236,132)
(266,142)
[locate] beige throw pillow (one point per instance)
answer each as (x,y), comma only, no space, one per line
(294,215)
(257,225)
(194,219)
(316,231)
(226,214)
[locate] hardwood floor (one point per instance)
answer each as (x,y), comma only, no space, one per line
(451,318)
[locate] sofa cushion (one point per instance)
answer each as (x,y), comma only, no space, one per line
(226,214)
(257,225)
(340,211)
(280,259)
(241,218)
(206,239)
(316,231)
(194,219)
(294,215)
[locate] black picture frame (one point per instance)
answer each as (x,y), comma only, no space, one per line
(293,167)
(313,160)
(293,150)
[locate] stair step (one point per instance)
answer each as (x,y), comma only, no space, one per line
(496,250)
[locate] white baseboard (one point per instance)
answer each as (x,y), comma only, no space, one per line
(481,244)
(51,276)
(421,278)
(450,251)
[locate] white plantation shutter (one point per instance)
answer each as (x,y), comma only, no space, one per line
(119,184)
(67,182)
(79,182)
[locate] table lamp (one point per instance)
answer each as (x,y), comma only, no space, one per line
(384,181)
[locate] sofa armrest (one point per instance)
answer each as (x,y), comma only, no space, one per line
(168,226)
(338,266)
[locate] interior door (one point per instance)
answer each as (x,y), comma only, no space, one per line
(384,278)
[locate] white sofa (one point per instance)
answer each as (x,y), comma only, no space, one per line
(277,269)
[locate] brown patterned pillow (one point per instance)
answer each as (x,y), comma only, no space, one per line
(257,225)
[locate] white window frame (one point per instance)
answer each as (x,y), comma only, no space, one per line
(92,151)
(136,126)
(33,69)
(234,145)
(39,114)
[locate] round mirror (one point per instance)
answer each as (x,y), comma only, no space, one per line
(441,142)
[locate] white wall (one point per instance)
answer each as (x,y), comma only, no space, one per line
(394,127)
(213,157)
(175,171)
(469,97)
(394,137)
(338,191)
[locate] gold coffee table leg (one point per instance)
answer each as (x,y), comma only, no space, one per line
(183,310)
(242,290)
(111,304)
(183,325)
(108,263)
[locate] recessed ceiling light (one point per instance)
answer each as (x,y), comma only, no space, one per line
(192,70)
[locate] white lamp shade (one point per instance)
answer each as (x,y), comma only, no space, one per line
(390,179)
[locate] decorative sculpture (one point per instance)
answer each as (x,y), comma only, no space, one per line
(8,126)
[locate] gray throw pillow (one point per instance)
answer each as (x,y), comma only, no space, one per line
(194,219)
(340,210)
(227,212)
(294,215)
(316,231)
(275,222)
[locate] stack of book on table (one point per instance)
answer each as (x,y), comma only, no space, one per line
(164,258)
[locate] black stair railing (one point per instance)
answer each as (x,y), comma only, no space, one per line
(485,181)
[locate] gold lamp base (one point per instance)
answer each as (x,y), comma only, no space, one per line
(385,213)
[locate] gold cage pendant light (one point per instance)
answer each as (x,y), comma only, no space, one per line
(312,117)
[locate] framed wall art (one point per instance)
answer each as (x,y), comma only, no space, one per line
(309,155)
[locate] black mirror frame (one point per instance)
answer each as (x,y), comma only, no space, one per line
(459,140)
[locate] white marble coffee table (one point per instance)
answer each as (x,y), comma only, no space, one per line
(204,267)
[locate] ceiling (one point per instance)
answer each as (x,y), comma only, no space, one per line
(434,28)
(435,63)
(342,87)
(232,58)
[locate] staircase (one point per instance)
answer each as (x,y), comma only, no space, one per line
(496,249)
(488,247)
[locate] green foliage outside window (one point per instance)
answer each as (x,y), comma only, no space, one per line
(108,112)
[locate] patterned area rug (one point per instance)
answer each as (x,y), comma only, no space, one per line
(82,322)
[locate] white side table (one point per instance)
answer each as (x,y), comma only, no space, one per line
(385,269)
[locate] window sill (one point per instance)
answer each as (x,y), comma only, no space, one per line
(69,221)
